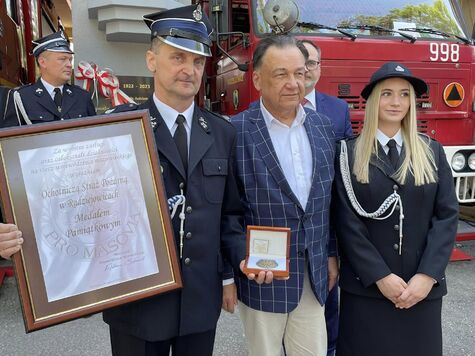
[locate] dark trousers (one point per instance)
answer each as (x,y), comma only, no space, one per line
(200,344)
(331,317)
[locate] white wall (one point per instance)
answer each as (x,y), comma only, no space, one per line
(91,43)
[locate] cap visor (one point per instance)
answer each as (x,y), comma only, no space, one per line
(187,45)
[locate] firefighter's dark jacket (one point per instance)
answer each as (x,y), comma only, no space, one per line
(213,225)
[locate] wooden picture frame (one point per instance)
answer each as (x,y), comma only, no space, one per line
(89,198)
(268,249)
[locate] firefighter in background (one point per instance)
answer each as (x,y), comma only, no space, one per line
(51,97)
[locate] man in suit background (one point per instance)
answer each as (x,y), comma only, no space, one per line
(337,110)
(50,98)
(285,168)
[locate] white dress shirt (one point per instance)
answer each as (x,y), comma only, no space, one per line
(169,115)
(292,147)
(311,100)
(383,140)
(50,88)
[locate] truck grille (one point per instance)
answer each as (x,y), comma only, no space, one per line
(465,189)
(358,103)
(422,126)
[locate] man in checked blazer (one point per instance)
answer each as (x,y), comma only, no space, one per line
(284,164)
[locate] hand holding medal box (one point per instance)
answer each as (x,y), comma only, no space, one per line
(268,249)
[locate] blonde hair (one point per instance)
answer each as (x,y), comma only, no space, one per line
(419,158)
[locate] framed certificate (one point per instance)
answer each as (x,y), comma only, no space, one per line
(89,198)
(268,248)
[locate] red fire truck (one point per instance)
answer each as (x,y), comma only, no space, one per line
(432,37)
(20,22)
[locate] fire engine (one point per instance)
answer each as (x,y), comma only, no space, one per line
(20,22)
(434,38)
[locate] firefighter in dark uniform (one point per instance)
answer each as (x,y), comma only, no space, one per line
(51,97)
(195,148)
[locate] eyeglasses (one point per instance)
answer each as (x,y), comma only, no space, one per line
(312,65)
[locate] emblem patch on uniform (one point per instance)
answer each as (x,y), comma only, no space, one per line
(39,91)
(203,123)
(69,91)
(153,122)
(197,14)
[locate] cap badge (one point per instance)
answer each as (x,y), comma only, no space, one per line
(197,14)
(399,69)
(203,123)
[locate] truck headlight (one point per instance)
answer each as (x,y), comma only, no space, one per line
(471,161)
(458,161)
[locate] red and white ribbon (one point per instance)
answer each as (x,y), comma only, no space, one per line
(103,81)
(108,86)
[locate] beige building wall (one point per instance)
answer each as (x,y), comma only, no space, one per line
(112,34)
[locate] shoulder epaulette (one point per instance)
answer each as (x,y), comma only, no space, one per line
(222,117)
(77,87)
(22,86)
(122,108)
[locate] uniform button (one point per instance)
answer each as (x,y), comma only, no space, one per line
(397,207)
(300,254)
(219,168)
(395,187)
(187,261)
(357,278)
(182,185)
(396,247)
(188,235)
(396,227)
(189,209)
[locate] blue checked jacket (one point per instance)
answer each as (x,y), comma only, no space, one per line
(269,201)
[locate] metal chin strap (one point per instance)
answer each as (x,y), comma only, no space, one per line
(390,203)
(173,204)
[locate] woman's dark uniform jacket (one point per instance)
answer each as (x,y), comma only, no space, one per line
(213,225)
(369,248)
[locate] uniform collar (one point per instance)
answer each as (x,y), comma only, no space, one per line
(383,139)
(50,88)
(169,114)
